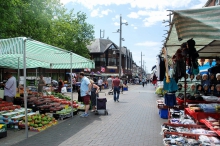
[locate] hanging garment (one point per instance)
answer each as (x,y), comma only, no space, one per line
(171,86)
(179,70)
(215,69)
(158,67)
(193,54)
(170,99)
(162,69)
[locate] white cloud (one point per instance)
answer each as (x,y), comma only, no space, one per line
(135,27)
(116,18)
(200,5)
(97,13)
(146,4)
(116,24)
(133,15)
(105,12)
(150,17)
(124,21)
(154,17)
(132,24)
(150,13)
(148,44)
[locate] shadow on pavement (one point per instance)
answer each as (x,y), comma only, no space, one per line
(61,132)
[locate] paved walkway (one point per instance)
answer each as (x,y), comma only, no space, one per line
(132,121)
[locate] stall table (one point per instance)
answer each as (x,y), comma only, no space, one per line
(209,125)
(198,116)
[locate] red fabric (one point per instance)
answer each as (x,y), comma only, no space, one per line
(86,99)
(116,82)
(154,82)
(201,115)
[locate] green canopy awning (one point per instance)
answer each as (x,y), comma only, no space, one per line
(203,25)
(38,54)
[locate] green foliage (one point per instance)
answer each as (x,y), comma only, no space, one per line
(47,21)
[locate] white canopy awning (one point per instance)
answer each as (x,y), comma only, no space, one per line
(203,25)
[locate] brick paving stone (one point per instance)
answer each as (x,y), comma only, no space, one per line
(132,121)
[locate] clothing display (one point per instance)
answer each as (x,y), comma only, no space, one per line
(215,69)
(178,70)
(208,108)
(210,98)
(170,99)
(160,68)
(171,86)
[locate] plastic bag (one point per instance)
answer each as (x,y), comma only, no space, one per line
(63,90)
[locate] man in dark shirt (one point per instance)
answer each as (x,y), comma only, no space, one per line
(116,87)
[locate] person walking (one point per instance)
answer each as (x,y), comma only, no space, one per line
(143,82)
(100,82)
(94,95)
(116,87)
(74,84)
(60,85)
(9,87)
(85,92)
(109,80)
(41,84)
(121,85)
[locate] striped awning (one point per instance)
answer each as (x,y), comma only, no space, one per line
(203,25)
(38,54)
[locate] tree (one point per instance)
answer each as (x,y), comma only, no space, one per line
(47,21)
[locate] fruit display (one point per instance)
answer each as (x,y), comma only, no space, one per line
(7,106)
(49,103)
(38,122)
(61,96)
(65,111)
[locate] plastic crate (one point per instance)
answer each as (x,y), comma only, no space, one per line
(163,113)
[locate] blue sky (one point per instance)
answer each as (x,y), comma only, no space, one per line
(145,30)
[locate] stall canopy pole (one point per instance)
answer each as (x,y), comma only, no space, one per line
(25,91)
(71,76)
(36,77)
(18,73)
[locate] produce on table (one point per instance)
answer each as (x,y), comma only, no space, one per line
(38,120)
(6,106)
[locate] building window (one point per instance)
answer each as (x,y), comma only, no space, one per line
(111,61)
(102,61)
(216,2)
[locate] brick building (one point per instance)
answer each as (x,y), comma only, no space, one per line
(105,53)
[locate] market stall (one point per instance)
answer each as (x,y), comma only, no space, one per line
(200,29)
(33,54)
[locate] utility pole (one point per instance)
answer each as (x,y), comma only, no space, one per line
(120,47)
(102,35)
(120,39)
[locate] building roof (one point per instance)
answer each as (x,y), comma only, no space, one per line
(100,45)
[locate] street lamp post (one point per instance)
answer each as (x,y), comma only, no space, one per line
(141,66)
(120,39)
